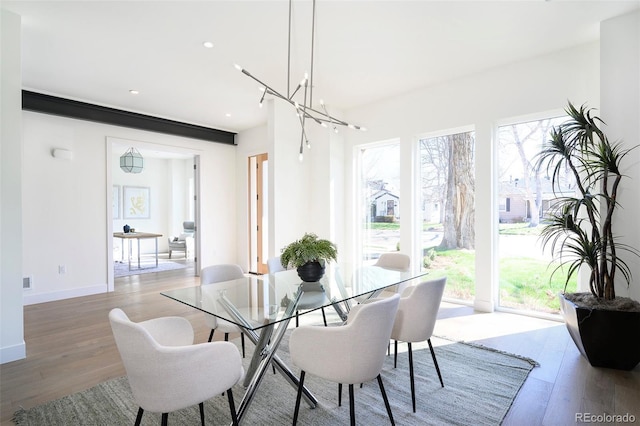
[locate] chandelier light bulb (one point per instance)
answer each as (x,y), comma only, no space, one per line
(304,106)
(300,157)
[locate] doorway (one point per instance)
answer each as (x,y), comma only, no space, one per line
(166,198)
(258,213)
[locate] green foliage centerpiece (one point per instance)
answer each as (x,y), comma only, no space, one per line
(309,255)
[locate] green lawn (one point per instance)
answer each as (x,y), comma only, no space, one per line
(524,282)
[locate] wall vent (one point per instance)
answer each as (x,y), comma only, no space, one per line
(26,283)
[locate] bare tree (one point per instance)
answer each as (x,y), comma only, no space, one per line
(525,136)
(434,160)
(459,218)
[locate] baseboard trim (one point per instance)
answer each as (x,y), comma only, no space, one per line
(13,353)
(32,299)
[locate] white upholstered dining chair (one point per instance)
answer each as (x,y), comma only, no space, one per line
(394,260)
(211,275)
(352,353)
(159,355)
(415,321)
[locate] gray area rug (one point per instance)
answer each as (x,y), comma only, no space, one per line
(121,269)
(480,386)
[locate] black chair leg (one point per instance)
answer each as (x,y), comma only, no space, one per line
(395,353)
(352,406)
(300,385)
(232,408)
(435,362)
(339,394)
(165,419)
(242,340)
(211,334)
(201,405)
(226,337)
(386,401)
(297,319)
(389,348)
(324,317)
(139,416)
(411,378)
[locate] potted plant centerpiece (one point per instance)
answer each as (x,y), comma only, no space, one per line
(308,255)
(578,230)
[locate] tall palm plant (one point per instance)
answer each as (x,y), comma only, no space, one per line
(578,228)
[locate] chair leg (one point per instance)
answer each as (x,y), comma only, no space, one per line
(296,319)
(389,348)
(242,340)
(211,334)
(339,394)
(352,406)
(435,362)
(139,416)
(300,385)
(411,378)
(201,405)
(169,254)
(395,353)
(232,408)
(165,419)
(386,400)
(226,337)
(324,318)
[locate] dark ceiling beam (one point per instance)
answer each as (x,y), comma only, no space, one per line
(38,102)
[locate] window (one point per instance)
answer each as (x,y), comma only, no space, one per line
(524,194)
(447,215)
(380,197)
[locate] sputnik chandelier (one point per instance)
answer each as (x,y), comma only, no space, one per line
(304,109)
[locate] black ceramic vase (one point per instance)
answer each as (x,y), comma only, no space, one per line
(311,272)
(126,229)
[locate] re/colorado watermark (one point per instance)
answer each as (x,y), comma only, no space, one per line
(605,418)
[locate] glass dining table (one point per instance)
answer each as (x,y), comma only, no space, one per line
(263,305)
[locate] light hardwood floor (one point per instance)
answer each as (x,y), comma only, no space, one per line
(70,348)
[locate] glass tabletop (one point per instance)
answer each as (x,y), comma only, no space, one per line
(256,301)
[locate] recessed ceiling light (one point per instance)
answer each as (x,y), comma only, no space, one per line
(227,115)
(133,92)
(208,44)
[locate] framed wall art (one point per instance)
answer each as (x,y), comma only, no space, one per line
(136,202)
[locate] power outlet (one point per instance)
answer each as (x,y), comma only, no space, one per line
(62,269)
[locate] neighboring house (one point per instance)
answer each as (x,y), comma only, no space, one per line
(385,203)
(513,205)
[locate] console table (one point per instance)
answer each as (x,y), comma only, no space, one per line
(137,236)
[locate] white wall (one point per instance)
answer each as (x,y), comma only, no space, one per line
(12,344)
(534,86)
(250,143)
(65,214)
(620,85)
(303,196)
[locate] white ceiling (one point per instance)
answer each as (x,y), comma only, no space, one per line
(96,51)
